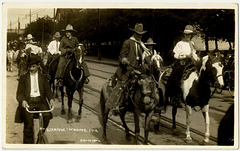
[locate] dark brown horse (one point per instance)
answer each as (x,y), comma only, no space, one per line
(73,80)
(139,97)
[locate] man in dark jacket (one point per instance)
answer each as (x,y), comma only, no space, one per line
(130,58)
(33,93)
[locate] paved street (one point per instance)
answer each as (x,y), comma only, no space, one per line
(89,131)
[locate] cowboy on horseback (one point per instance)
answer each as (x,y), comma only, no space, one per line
(185,53)
(53,48)
(69,43)
(150,71)
(130,63)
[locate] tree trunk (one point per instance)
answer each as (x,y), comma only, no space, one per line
(216,44)
(206,43)
(230,46)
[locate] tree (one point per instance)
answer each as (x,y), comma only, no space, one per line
(41,29)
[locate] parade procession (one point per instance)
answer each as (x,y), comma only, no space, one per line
(161,78)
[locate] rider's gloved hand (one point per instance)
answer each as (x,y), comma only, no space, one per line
(125,61)
(52,102)
(25,104)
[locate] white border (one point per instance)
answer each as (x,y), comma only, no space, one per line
(187,4)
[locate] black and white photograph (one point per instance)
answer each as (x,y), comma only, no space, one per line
(78,75)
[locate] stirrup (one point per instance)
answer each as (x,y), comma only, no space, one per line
(86,81)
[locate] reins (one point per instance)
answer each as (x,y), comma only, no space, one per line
(76,81)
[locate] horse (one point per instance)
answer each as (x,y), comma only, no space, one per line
(51,64)
(10,59)
(73,80)
(138,97)
(195,86)
(226,128)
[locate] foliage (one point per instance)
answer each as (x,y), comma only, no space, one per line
(165,26)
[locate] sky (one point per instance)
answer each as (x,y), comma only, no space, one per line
(24,16)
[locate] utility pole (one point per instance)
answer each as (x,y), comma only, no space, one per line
(54,18)
(18,25)
(43,31)
(98,35)
(30,17)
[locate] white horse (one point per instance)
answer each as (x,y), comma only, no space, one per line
(10,59)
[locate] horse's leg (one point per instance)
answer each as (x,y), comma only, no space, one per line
(136,121)
(127,134)
(70,99)
(80,93)
(157,122)
(104,115)
(205,113)
(174,113)
(63,112)
(147,125)
(188,122)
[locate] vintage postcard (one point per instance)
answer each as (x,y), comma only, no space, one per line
(119,75)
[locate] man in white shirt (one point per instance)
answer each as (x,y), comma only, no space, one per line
(33,93)
(53,47)
(32,46)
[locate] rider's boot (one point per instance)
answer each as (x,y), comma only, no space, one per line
(86,81)
(60,82)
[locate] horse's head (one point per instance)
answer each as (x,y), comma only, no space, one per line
(156,60)
(79,56)
(213,67)
(148,91)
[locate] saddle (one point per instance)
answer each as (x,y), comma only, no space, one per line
(119,88)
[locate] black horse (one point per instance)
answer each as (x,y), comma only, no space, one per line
(226,128)
(73,80)
(139,97)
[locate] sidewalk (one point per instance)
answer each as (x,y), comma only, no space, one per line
(107,61)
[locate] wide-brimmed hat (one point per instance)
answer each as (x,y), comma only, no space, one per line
(189,30)
(150,42)
(69,28)
(57,35)
(34,60)
(138,28)
(29,37)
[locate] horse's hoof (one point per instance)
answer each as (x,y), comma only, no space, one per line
(128,137)
(78,118)
(206,140)
(69,121)
(63,112)
(188,140)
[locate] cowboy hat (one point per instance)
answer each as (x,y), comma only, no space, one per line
(57,35)
(29,37)
(34,60)
(69,28)
(150,42)
(189,30)
(138,28)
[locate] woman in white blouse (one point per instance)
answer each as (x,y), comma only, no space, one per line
(185,53)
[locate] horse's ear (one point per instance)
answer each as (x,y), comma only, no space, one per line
(210,55)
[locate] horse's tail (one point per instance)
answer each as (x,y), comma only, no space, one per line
(104,95)
(102,105)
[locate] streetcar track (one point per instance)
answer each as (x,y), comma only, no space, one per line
(166,119)
(101,70)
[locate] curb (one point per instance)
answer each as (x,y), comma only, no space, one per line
(115,64)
